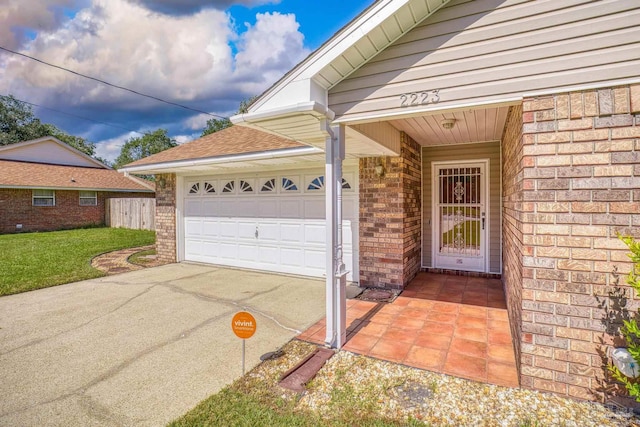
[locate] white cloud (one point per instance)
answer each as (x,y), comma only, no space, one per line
(110,148)
(182,58)
(39,15)
(182,7)
(187,59)
(271,46)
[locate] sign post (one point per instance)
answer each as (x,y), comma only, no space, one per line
(243,325)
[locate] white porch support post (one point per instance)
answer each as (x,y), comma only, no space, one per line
(336,280)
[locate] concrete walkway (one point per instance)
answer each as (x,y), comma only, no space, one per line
(140,348)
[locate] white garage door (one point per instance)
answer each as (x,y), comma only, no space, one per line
(272,222)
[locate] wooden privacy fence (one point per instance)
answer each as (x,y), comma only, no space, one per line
(138,213)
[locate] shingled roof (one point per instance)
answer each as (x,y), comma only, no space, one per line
(229,141)
(19,174)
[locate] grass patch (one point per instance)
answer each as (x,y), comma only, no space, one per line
(139,258)
(257,400)
(38,260)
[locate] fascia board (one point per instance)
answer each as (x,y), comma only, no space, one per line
(169,166)
(336,46)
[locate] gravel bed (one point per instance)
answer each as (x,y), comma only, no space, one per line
(365,386)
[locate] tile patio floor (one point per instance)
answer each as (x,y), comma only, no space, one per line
(454,325)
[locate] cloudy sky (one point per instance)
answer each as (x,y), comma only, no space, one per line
(205,54)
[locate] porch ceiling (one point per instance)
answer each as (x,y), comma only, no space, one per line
(477,125)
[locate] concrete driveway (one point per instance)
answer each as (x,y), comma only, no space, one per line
(140,348)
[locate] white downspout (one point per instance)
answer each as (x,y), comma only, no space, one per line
(335,269)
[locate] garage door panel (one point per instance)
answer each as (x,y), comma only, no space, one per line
(315,259)
(269,255)
(193,227)
(210,249)
(291,231)
(228,251)
(245,208)
(247,230)
(268,208)
(290,209)
(210,228)
(314,234)
(211,207)
(192,207)
(247,252)
(314,209)
(292,257)
(193,247)
(269,232)
(228,229)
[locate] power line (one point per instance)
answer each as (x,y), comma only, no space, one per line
(111,84)
(76,116)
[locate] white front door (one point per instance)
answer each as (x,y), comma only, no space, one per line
(461,209)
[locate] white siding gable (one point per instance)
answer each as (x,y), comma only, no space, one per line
(50,151)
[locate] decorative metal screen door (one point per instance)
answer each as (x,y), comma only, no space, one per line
(460,215)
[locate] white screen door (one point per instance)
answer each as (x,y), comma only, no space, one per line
(460,215)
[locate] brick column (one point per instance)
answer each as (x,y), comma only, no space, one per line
(390,218)
(512,219)
(580,189)
(166,218)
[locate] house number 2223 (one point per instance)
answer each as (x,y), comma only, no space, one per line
(420,98)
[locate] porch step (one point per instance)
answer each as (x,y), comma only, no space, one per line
(296,377)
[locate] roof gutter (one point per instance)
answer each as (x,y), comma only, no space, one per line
(311,107)
(233,158)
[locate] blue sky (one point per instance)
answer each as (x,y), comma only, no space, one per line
(206,54)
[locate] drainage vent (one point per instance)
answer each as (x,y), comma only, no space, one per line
(296,377)
(378,295)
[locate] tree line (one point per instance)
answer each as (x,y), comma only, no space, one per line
(19,123)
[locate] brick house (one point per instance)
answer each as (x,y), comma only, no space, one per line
(488,137)
(47,185)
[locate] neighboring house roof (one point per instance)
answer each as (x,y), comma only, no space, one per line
(19,174)
(49,150)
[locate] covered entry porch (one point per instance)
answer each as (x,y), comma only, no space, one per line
(456,325)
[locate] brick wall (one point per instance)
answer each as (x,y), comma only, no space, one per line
(580,188)
(166,219)
(512,239)
(16,207)
(390,220)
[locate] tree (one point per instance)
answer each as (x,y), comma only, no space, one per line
(215,124)
(18,123)
(144,146)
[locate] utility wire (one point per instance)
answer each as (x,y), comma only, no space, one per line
(76,116)
(111,84)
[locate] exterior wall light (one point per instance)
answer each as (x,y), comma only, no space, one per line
(448,123)
(624,361)
(379,170)
(162,183)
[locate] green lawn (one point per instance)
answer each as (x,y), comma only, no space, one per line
(38,260)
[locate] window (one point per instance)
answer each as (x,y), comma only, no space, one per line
(88,198)
(245,187)
(195,188)
(269,186)
(44,198)
(209,188)
(316,183)
(229,187)
(289,185)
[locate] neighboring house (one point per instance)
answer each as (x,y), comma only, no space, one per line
(47,185)
(491,137)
